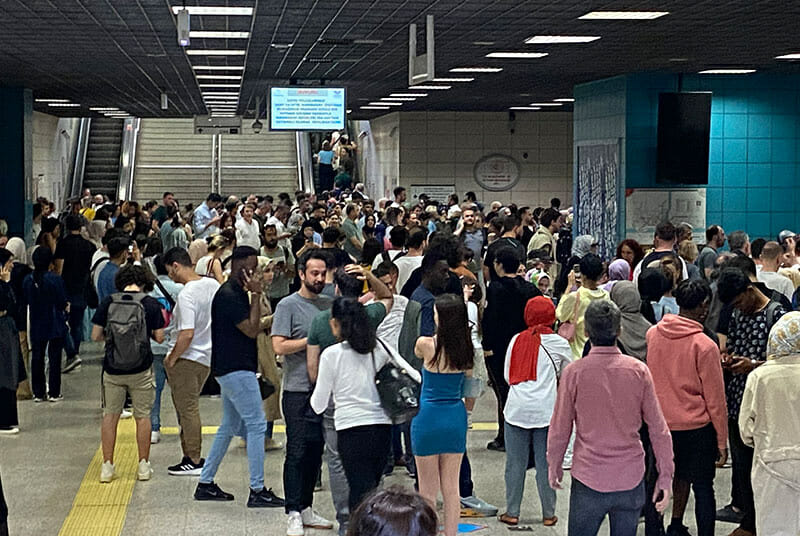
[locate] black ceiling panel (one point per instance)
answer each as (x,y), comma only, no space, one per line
(124,53)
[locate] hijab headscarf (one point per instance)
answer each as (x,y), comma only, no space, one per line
(540,315)
(197,250)
(582,245)
(784,338)
(17,248)
(633,324)
(619,270)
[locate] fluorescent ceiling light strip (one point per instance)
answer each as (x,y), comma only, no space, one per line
(559,39)
(425,88)
(375,108)
(525,108)
(218,76)
(96,109)
(788,57)
(404,99)
(476,70)
(385,103)
(513,55)
(63,105)
(453,80)
(563,100)
(545,104)
(219,35)
(229,86)
(52,100)
(218,67)
(623,15)
(214,10)
(214,52)
(213,94)
(417,95)
(727,71)
(349,111)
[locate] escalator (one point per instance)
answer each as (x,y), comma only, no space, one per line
(101,167)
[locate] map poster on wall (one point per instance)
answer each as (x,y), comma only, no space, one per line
(646,208)
(436,192)
(596,195)
(496,172)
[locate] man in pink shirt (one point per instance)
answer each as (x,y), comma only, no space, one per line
(606,396)
(687,372)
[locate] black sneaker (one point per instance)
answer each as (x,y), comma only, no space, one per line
(71,364)
(678,529)
(729,515)
(187,467)
(264,499)
(211,492)
(496,445)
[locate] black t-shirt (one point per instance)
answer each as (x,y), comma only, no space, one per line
(231,350)
(494,247)
(77,253)
(153,317)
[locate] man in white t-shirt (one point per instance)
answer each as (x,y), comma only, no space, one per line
(770,262)
(188,362)
(248,232)
(412,260)
(389,329)
(279,218)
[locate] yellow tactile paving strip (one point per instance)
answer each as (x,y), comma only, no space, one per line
(100,509)
(280,428)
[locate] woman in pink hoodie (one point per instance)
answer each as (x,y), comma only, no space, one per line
(687,372)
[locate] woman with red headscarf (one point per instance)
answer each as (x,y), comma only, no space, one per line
(533,364)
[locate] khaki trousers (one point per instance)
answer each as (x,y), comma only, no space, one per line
(186,380)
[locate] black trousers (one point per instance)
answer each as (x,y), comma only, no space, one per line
(695,463)
(494,366)
(304,445)
(741,485)
(53,347)
(8,408)
(362,449)
(77,307)
(653,521)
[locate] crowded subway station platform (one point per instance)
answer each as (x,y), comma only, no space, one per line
(399,267)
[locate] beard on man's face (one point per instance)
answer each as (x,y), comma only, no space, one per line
(316,288)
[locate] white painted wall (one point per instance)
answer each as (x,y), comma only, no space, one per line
(443,147)
(51,146)
(383,142)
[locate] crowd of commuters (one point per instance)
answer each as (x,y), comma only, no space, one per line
(640,374)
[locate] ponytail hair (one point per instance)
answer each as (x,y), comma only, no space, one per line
(354,324)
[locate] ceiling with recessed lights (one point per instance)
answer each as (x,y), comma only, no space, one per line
(119,56)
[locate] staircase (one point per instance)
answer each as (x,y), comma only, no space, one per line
(101,170)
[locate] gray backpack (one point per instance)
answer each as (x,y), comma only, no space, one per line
(126,333)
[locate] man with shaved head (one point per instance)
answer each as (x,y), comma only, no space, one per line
(771,261)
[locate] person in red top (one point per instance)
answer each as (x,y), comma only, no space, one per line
(687,372)
(606,396)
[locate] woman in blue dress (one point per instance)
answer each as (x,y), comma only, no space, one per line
(439,431)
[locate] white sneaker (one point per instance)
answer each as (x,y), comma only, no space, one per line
(125,414)
(295,525)
(313,520)
(155,437)
(107,472)
(145,471)
(10,430)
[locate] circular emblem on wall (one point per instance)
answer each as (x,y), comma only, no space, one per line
(496,172)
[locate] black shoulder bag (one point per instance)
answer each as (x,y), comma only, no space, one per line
(398,392)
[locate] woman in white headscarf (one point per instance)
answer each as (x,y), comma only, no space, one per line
(19,271)
(769,421)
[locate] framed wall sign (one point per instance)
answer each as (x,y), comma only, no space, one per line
(496,172)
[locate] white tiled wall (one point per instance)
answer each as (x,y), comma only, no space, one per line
(386,140)
(51,137)
(443,147)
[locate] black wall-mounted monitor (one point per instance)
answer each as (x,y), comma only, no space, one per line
(684,126)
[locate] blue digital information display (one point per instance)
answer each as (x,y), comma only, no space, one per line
(307,108)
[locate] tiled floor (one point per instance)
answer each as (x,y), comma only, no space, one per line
(43,466)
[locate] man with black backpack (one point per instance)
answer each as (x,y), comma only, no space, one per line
(126,321)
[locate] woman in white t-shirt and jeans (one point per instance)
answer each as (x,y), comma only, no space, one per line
(347,372)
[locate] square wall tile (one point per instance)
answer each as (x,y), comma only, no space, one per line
(784,126)
(758,125)
(715,174)
(734,150)
(782,200)
(734,221)
(780,221)
(758,150)
(759,175)
(757,199)
(734,199)
(758,225)
(734,175)
(714,199)
(713,217)
(735,126)
(783,174)
(717,123)
(783,150)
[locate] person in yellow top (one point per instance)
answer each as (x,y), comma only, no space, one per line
(573,305)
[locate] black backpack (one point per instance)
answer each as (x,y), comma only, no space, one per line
(126,333)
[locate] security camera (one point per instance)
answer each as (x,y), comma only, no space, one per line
(257,126)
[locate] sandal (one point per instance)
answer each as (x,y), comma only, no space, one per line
(550,521)
(507,519)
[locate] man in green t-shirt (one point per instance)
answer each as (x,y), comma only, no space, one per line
(354,242)
(349,284)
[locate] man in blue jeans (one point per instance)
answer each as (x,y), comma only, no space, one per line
(235,324)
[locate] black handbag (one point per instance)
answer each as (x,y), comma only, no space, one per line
(397,390)
(265,387)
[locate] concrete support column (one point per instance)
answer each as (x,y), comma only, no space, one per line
(16,159)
